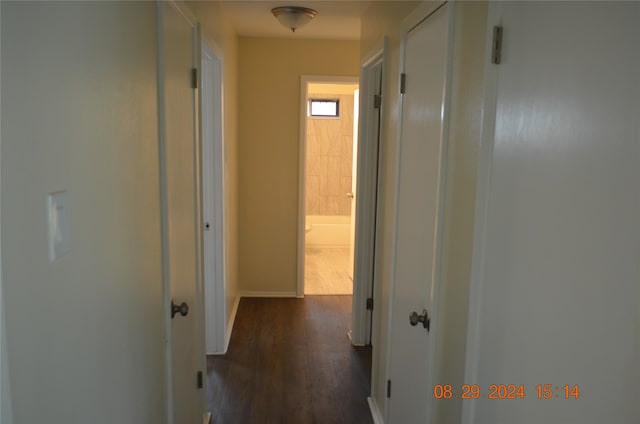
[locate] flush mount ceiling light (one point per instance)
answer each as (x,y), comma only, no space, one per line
(293,17)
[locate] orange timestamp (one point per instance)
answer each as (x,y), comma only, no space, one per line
(504,391)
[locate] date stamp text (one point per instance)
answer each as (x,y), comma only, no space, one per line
(506,391)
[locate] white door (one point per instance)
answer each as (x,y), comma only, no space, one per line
(354,179)
(365,209)
(417,241)
(180,210)
(212,202)
(556,295)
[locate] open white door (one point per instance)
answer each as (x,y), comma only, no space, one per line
(365,210)
(555,302)
(212,202)
(418,215)
(354,180)
(179,159)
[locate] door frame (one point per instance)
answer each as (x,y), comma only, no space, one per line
(213,195)
(421,13)
(302,165)
(368,206)
(485,161)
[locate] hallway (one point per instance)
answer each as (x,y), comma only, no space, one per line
(290,361)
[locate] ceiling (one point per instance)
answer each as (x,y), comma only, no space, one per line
(336,20)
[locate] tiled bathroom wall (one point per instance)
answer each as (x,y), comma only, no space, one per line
(329,159)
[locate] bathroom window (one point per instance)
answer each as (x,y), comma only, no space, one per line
(324,108)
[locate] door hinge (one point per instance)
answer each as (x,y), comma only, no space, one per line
(370,304)
(389,388)
(377,101)
(199,380)
(194,78)
(403,83)
(496,45)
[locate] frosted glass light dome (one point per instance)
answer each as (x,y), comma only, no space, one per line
(293,17)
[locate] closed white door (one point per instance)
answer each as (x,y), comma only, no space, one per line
(180,210)
(419,193)
(556,297)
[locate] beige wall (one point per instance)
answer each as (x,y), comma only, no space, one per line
(218,32)
(85,334)
(329,159)
(269,125)
(384,18)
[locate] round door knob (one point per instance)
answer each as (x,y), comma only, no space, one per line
(415,318)
(182,309)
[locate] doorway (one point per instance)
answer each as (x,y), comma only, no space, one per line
(329,134)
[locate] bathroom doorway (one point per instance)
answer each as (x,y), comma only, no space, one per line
(329,167)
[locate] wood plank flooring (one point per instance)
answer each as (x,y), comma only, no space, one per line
(290,361)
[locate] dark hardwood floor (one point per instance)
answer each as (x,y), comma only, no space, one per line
(290,361)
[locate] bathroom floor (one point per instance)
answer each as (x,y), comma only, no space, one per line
(326,271)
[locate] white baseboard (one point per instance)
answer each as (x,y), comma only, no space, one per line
(267,294)
(232,319)
(327,246)
(375,412)
(350,335)
(228,330)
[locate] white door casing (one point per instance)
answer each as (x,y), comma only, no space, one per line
(420,188)
(180,204)
(556,284)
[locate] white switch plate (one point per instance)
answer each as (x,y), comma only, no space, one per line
(58,220)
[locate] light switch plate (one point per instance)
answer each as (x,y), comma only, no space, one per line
(58,222)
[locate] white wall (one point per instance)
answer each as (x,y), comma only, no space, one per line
(79,108)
